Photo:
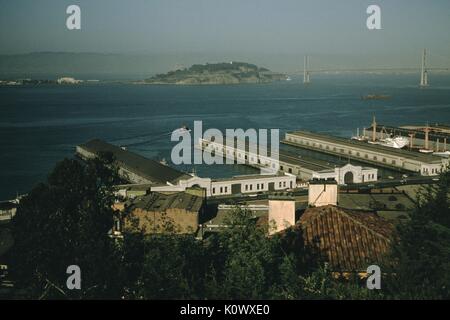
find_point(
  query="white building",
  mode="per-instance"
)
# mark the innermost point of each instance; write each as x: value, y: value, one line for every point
x: 303, y: 168
x: 348, y: 174
x: 248, y: 184
x: 68, y: 80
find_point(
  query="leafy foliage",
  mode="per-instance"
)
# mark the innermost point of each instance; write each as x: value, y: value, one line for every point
x: 422, y: 254
x: 65, y: 222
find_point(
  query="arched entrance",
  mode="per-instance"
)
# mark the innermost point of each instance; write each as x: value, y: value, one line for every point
x: 348, y: 177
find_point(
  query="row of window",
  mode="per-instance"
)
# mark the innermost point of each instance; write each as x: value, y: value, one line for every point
x: 433, y: 171
x: 371, y: 176
x: 248, y: 187
x: 289, y: 169
x: 221, y: 190
x: 259, y: 186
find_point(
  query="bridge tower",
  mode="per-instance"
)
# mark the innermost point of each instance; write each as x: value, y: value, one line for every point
x: 306, y: 79
x: 424, y: 73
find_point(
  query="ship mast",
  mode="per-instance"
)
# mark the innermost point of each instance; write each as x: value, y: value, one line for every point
x: 374, y: 130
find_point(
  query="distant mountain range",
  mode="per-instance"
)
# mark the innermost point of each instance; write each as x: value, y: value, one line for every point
x: 57, y: 64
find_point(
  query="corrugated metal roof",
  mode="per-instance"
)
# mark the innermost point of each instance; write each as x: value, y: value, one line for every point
x: 144, y: 167
x: 156, y: 201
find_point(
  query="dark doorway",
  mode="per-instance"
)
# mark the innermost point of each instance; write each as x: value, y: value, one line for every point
x: 236, y: 188
x: 348, y: 177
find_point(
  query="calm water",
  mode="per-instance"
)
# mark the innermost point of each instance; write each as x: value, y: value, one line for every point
x: 41, y: 125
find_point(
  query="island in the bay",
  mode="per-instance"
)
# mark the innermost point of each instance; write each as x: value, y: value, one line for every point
x: 217, y: 73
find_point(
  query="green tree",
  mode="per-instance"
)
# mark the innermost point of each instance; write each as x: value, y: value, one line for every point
x: 66, y: 222
x: 421, y: 256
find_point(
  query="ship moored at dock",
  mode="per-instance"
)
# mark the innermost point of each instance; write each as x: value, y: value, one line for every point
x: 424, y: 164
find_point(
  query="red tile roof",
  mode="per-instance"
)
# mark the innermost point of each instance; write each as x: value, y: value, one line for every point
x: 349, y: 240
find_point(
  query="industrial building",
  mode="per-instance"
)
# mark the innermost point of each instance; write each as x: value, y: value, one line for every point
x: 304, y: 168
x: 132, y: 167
x: 245, y: 184
x: 156, y: 212
x: 149, y: 175
x: 424, y: 164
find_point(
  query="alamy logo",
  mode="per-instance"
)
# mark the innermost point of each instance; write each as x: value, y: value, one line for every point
x: 74, y: 280
x: 374, y: 280
x: 374, y: 20
x: 238, y: 146
x: 73, y: 21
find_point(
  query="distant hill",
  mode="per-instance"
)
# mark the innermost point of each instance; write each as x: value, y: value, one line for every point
x: 52, y: 65
x: 217, y: 73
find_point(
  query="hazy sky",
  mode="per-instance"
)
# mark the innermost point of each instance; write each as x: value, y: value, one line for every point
x: 238, y: 28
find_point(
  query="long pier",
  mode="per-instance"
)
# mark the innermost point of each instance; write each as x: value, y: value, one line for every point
x: 424, y: 164
x: 303, y: 167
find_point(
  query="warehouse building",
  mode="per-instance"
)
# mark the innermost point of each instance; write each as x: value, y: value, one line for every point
x: 245, y: 184
x: 425, y: 164
x: 132, y: 167
x: 304, y: 168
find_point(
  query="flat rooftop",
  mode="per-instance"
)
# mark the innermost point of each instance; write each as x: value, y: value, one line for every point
x: 422, y: 157
x: 290, y: 157
x: 156, y: 201
x: 144, y: 167
x: 249, y: 176
x: 305, y: 162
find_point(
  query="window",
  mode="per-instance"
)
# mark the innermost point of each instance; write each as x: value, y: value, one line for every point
x: 226, y: 189
x: 246, y: 187
x: 251, y: 187
x: 262, y: 186
x: 221, y: 189
x: 214, y: 190
x: 393, y: 162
